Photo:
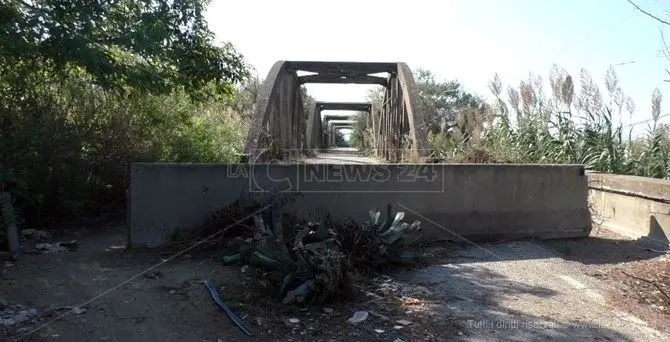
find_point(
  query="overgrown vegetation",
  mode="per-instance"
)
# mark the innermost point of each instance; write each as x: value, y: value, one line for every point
x: 527, y: 125
x: 87, y: 88
x: 361, y: 134
x: 440, y: 103
x: 567, y: 127
x: 304, y: 261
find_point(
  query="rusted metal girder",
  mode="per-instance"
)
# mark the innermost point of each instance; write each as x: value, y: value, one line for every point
x: 342, y: 79
x: 354, y: 106
x: 281, y: 127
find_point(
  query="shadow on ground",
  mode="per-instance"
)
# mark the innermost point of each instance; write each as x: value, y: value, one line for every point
x: 492, y: 291
x: 484, y: 303
x: 603, y: 248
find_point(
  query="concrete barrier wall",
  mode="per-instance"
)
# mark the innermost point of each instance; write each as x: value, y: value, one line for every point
x: 453, y: 201
x: 633, y: 206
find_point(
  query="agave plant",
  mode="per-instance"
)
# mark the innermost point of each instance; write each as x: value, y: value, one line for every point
x: 315, y: 264
x: 381, y: 239
x: 393, y: 229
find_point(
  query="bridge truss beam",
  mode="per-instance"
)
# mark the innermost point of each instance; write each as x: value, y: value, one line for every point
x: 282, y: 127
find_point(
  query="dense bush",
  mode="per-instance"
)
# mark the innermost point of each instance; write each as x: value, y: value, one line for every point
x: 88, y: 87
x: 67, y: 143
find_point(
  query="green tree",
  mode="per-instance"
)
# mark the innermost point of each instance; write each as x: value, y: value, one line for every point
x: 440, y: 101
x: 154, y: 46
x: 89, y: 86
x: 246, y: 97
x: 442, y: 104
x: 340, y: 139
x: 361, y: 135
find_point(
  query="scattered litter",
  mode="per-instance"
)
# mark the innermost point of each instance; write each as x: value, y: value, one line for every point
x: 403, y: 322
x: 231, y: 315
x: 244, y: 268
x: 259, y: 320
x: 328, y: 310
x: 35, y: 234
x: 379, y: 331
x: 61, y: 247
x: 397, y: 327
x: 117, y: 247
x: 359, y: 316
x: 293, y: 320
x: 11, y: 317
x: 460, y: 333
x: 398, y: 340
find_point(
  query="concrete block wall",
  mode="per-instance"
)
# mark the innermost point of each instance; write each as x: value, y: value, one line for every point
x: 636, y: 207
x: 453, y: 201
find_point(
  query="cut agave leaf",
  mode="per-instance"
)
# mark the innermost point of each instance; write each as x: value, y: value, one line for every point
x: 396, y: 233
x: 398, y: 217
x: 374, y: 216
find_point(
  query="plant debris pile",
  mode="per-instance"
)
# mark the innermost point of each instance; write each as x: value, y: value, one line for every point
x: 380, y: 240
x: 313, y: 262
x: 234, y: 220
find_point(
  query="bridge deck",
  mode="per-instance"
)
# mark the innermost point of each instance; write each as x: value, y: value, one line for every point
x: 341, y: 155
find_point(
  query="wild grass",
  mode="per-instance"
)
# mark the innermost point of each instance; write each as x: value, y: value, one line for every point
x: 562, y: 128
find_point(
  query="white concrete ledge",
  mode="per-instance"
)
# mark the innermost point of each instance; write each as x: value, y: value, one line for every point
x: 636, y: 207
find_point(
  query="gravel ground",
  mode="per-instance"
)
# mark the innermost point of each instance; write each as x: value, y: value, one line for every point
x: 526, y: 291
x: 522, y: 290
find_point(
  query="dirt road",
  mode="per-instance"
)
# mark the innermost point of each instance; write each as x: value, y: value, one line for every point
x: 526, y: 290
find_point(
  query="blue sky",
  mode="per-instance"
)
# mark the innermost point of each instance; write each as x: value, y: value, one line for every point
x: 466, y: 40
